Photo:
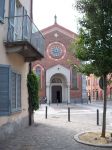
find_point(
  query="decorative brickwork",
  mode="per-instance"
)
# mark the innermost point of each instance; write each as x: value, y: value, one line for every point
x: 58, y: 40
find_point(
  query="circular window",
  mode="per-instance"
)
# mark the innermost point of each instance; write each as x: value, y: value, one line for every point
x: 56, y: 50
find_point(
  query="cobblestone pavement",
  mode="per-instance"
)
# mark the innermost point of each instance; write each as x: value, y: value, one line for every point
x: 55, y: 132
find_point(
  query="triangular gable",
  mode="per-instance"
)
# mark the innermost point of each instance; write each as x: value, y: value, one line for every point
x: 57, y: 27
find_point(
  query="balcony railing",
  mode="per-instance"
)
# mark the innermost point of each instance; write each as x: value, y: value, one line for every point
x: 21, y: 30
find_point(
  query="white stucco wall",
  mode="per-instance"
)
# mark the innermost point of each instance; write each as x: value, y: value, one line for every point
x: 17, y: 64
x: 58, y: 69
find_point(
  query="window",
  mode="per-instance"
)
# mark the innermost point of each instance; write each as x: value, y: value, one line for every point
x: 88, y: 82
x: 56, y: 52
x: 38, y: 73
x: 10, y: 90
x: 16, y: 92
x: 2, y: 10
x: 74, y: 79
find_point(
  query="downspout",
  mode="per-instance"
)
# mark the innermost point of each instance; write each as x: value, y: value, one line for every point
x: 30, y: 100
x: 30, y: 70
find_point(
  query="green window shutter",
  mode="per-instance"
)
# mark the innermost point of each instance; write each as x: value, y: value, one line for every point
x: 4, y: 90
x: 2, y: 9
x: 11, y: 8
x: 11, y: 20
x: 10, y: 90
x: 18, y: 91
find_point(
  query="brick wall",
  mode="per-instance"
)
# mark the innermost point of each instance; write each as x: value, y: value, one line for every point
x: 48, y: 62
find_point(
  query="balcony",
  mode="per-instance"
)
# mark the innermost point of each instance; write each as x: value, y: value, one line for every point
x: 23, y: 37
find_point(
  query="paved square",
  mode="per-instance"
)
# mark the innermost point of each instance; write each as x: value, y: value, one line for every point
x: 55, y: 132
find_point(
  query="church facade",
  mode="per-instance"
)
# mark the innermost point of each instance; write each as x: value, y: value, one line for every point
x: 59, y: 83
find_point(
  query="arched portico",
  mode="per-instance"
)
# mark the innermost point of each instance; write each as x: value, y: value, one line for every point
x: 58, y: 84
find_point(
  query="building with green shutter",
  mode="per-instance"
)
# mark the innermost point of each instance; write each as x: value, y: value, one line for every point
x: 19, y: 45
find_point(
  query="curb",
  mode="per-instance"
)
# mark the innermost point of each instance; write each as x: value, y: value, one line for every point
x: 76, y: 138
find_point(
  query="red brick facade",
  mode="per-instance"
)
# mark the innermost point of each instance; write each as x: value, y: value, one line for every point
x: 57, y: 35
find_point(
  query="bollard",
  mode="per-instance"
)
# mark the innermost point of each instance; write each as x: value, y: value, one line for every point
x: 68, y: 114
x: 46, y: 112
x: 97, y: 116
x: 57, y: 102
x: 49, y: 102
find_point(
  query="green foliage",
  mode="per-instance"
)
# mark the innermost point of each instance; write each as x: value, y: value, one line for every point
x: 94, y: 43
x: 33, y: 89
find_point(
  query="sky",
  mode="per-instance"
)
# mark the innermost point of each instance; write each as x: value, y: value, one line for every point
x: 45, y: 10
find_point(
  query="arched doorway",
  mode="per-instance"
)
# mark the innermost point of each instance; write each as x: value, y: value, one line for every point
x: 58, y: 85
x: 56, y: 94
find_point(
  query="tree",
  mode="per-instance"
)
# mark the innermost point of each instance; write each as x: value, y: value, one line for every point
x: 33, y: 90
x: 94, y: 43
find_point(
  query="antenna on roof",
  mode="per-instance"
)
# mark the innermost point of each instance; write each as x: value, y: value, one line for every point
x: 55, y: 19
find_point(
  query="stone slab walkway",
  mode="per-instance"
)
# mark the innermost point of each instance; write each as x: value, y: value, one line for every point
x: 55, y: 133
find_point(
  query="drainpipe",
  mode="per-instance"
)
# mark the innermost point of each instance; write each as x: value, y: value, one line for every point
x: 30, y: 100
x: 30, y: 69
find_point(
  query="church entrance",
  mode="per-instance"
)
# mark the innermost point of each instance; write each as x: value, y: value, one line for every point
x: 56, y: 94
x: 58, y: 85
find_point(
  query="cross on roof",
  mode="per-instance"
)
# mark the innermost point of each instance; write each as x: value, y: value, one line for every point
x: 55, y: 19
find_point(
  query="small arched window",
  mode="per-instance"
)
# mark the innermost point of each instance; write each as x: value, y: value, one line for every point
x: 74, y: 79
x: 38, y: 73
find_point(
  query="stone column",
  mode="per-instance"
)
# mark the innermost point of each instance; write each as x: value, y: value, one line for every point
x: 68, y: 94
x: 84, y: 92
x: 47, y: 93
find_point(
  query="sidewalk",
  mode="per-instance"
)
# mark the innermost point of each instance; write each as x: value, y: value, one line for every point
x: 55, y: 133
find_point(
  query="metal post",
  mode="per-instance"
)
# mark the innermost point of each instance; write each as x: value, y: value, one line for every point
x: 67, y: 101
x: 46, y: 112
x: 68, y: 114
x: 97, y: 116
x: 57, y: 102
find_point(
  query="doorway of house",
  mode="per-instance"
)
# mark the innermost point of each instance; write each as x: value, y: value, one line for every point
x: 56, y: 94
